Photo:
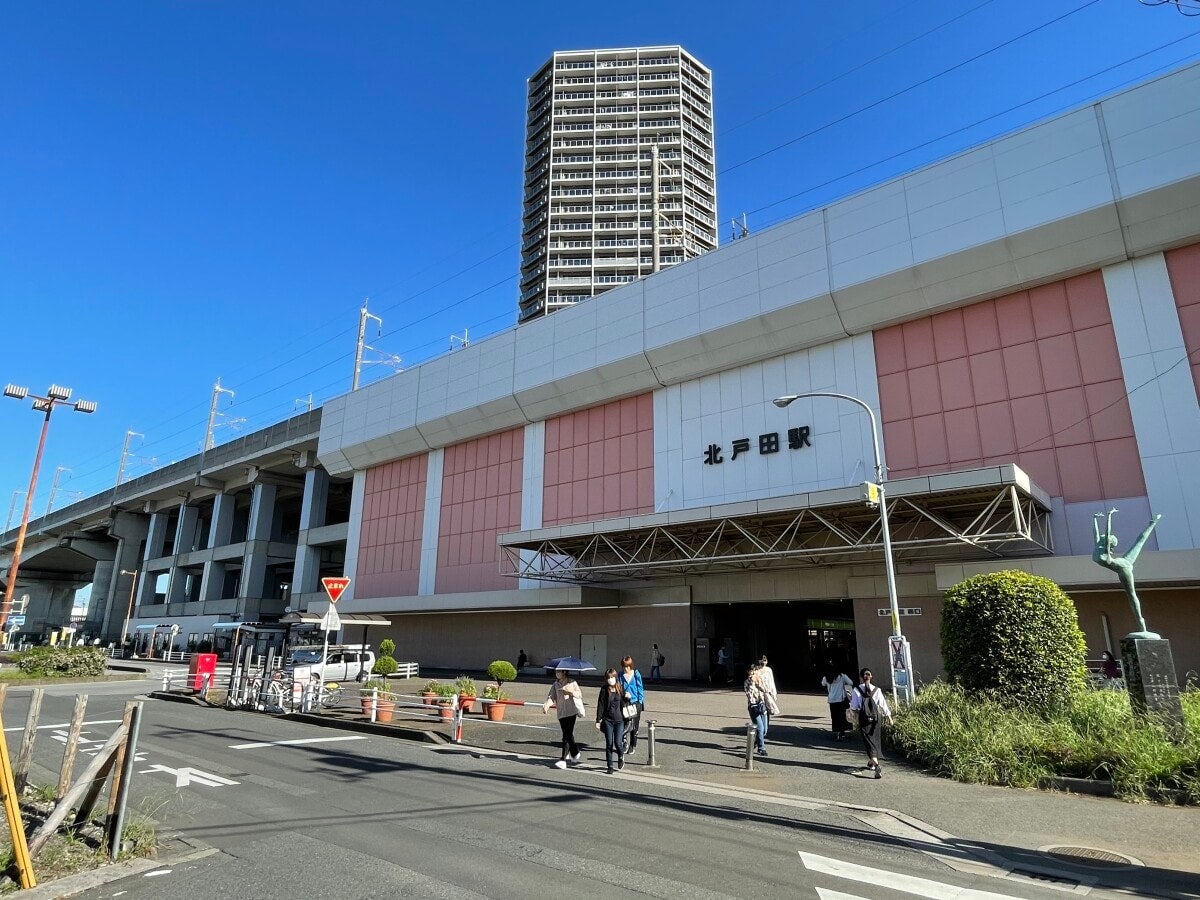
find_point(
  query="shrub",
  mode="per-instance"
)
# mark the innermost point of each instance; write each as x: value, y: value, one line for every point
x: 385, y: 665
x: 431, y: 686
x: 501, y: 670
x: 1013, y: 636
x: 493, y: 692
x: 445, y: 692
x: 465, y: 686
x: 387, y: 647
x: 977, y: 739
x: 62, y: 662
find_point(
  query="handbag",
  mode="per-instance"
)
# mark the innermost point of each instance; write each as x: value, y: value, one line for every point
x: 629, y: 711
x: 757, y: 709
x: 852, y: 717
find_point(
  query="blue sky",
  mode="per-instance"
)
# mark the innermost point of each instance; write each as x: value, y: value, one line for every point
x: 194, y: 190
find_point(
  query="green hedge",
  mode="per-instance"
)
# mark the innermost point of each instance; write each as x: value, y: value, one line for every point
x: 1015, y: 637
x: 977, y: 739
x: 62, y: 662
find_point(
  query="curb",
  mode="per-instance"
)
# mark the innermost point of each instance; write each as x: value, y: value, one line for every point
x: 84, y: 881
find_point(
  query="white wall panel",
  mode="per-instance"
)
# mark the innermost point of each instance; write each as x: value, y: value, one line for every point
x: 1162, y: 394
x: 736, y: 403
x: 431, y: 522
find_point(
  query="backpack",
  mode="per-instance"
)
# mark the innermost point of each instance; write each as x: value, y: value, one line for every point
x: 869, y: 713
x: 661, y: 659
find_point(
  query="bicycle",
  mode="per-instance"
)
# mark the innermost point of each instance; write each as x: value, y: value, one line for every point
x: 330, y: 694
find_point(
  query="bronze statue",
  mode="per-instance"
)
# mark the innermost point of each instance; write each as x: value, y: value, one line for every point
x: 1104, y: 554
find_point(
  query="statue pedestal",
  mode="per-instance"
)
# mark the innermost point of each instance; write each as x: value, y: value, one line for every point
x: 1150, y: 677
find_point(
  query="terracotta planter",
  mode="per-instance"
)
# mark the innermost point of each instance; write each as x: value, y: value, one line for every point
x: 428, y: 697
x: 446, y: 710
x: 495, y: 711
x: 368, y: 704
x: 465, y: 703
x: 385, y: 710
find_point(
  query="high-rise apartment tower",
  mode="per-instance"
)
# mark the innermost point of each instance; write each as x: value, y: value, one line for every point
x: 596, y: 121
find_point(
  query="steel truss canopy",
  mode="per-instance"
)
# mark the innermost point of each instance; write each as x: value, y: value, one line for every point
x: 995, y: 512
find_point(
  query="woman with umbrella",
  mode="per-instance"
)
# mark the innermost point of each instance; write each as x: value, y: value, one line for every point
x: 567, y: 699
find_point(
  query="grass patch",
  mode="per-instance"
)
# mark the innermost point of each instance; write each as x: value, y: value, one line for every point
x: 1095, y: 735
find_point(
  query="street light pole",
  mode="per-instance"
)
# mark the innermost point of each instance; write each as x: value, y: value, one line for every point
x: 885, y: 533
x: 129, y: 608
x: 55, y: 396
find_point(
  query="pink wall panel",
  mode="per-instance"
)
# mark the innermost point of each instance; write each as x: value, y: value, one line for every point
x: 481, y: 498
x: 1032, y: 378
x: 389, y: 550
x: 600, y: 462
x: 1183, y: 267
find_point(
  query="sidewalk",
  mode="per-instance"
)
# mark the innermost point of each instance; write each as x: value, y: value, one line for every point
x: 701, y: 738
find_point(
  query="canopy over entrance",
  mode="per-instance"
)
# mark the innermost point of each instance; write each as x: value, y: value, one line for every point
x: 307, y: 618
x: 989, y: 513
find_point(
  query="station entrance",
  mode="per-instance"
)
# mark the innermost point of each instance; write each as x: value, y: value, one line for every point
x: 800, y: 639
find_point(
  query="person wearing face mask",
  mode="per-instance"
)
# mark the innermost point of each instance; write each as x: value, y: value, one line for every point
x: 567, y: 698
x: 608, y: 717
x: 631, y: 681
x: 872, y: 707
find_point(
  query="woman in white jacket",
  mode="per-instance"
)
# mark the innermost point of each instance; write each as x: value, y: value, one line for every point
x: 838, y: 685
x: 566, y: 698
x: 872, y: 707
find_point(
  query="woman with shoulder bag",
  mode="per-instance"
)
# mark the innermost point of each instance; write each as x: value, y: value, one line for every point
x: 870, y: 707
x: 631, y: 681
x: 610, y: 719
x: 756, y: 706
x: 566, y: 697
x: 838, y: 685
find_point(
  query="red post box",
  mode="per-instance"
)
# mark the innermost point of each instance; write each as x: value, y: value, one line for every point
x: 201, y: 666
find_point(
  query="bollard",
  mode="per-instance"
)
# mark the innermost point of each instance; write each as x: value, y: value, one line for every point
x: 166, y: 680
x: 650, y: 748
x: 458, y: 722
x: 205, y: 679
x: 374, y: 702
x: 751, y: 731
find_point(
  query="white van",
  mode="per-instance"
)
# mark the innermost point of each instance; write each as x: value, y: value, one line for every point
x: 343, y: 662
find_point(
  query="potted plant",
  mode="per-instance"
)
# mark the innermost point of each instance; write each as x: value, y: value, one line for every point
x: 464, y: 686
x: 495, y: 710
x: 430, y: 691
x: 386, y: 664
x: 367, y: 693
x: 501, y: 670
x: 445, y: 700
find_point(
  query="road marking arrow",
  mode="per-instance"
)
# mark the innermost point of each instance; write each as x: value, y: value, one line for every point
x: 909, y: 884
x: 186, y: 775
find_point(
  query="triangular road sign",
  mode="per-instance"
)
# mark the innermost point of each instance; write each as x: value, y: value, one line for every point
x: 335, y: 587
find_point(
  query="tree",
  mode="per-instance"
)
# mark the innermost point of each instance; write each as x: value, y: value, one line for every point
x: 1014, y: 636
x: 501, y: 670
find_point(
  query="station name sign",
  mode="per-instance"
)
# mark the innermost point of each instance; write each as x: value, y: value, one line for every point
x: 797, y: 439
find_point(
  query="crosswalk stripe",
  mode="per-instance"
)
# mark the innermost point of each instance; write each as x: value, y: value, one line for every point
x: 297, y: 741
x: 909, y: 884
x: 827, y: 894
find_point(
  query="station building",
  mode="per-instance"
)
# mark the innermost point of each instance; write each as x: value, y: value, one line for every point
x: 1023, y: 319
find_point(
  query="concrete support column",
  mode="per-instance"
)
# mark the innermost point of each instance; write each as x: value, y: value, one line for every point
x: 185, y: 529
x: 213, y: 580
x: 102, y: 581
x: 156, y: 538
x: 354, y: 530
x: 220, y: 529
x: 130, y: 529
x: 316, y: 499
x: 254, y: 562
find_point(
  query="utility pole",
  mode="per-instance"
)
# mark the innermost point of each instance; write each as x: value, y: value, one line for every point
x: 655, y: 224
x: 363, y: 315
x: 125, y: 454
x: 209, y: 442
x: 54, y: 488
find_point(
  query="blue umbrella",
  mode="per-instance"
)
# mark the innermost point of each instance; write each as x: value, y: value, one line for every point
x: 571, y: 664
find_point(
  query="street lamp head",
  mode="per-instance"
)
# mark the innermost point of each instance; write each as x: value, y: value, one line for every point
x: 785, y: 400
x: 85, y: 406
x: 58, y: 392
x: 127, y: 572
x: 16, y: 392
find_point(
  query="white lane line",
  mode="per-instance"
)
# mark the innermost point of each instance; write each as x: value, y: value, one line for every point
x: 320, y: 740
x: 66, y: 725
x: 909, y: 884
x: 827, y: 894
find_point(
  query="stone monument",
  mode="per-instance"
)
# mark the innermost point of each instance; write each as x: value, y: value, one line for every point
x: 1145, y: 656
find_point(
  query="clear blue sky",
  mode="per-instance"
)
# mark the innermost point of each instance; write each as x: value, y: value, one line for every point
x: 194, y: 190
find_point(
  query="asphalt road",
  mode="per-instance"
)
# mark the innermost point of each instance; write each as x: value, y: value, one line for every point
x: 293, y: 810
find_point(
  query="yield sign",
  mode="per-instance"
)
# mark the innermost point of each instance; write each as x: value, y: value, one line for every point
x: 335, y: 587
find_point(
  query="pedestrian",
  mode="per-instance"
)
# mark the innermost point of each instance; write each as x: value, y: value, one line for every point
x: 1108, y: 666
x: 756, y: 706
x: 567, y: 699
x: 870, y: 704
x: 723, y: 663
x: 656, y: 663
x: 522, y: 659
x: 631, y: 682
x: 766, y: 678
x: 609, y: 719
x: 838, y: 685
